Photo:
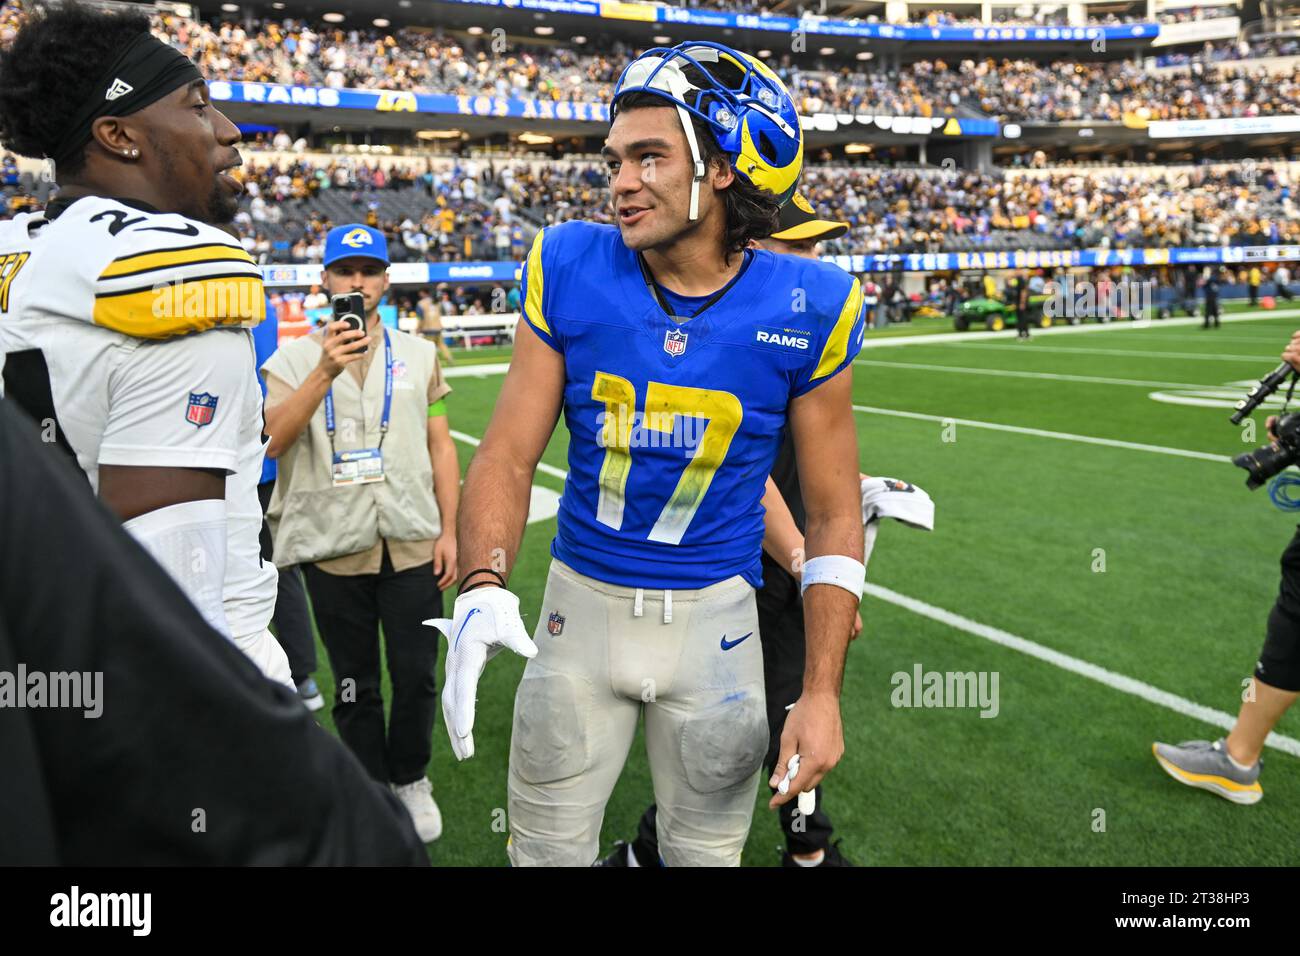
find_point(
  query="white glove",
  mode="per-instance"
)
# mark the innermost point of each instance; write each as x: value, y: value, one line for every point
x: 484, y: 620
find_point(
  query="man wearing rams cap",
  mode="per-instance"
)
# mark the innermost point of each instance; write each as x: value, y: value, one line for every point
x: 366, y: 502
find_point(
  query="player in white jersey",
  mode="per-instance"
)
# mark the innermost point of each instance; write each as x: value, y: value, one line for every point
x: 99, y: 291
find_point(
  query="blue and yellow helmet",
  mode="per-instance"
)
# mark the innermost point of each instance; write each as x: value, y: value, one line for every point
x: 744, y: 105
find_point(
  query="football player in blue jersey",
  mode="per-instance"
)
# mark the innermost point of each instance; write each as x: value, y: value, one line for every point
x: 678, y: 356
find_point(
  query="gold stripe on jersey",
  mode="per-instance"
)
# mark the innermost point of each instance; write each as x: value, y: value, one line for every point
x: 533, y: 305
x: 140, y: 262
x: 837, y: 344
x: 185, y: 306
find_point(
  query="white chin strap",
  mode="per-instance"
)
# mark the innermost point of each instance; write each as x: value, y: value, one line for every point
x: 653, y: 73
x: 698, y: 178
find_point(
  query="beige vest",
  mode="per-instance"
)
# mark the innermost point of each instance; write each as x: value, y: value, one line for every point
x: 310, y: 519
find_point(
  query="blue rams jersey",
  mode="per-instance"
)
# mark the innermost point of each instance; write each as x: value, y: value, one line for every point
x: 674, y: 425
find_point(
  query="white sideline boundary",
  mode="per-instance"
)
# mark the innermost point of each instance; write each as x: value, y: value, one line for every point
x: 1111, y: 679
x: 1014, y: 373
x: 1044, y: 433
x: 938, y: 338
x: 1074, y: 665
x: 968, y: 338
x: 1123, y: 353
x: 476, y: 371
x: 542, y: 466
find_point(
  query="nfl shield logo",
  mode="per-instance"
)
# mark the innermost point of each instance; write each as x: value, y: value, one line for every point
x: 555, y: 623
x: 202, y: 406
x: 675, y: 342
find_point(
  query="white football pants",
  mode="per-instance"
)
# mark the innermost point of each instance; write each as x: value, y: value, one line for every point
x: 692, y: 663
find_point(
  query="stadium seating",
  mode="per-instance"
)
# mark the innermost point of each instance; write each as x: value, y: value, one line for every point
x: 1009, y: 89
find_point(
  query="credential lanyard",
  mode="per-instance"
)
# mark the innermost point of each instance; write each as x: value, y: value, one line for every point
x: 388, y: 399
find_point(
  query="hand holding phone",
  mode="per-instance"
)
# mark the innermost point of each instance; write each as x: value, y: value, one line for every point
x: 351, y: 308
x: 345, y: 336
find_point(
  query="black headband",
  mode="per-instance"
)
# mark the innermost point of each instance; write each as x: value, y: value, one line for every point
x: 143, y: 73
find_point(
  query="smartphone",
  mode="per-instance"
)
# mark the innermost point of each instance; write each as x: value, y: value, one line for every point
x: 351, y: 308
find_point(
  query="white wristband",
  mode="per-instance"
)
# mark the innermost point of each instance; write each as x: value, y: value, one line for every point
x: 836, y: 569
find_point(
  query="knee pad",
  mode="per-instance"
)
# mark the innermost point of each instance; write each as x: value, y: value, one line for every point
x: 550, y: 739
x: 723, y: 746
x: 1279, y: 660
x: 549, y: 752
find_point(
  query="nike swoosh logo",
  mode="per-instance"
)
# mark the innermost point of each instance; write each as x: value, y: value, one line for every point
x: 468, y: 616
x: 728, y: 645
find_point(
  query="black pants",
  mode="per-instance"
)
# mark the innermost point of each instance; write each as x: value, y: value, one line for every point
x: 1022, y: 323
x: 1284, y: 292
x: 780, y: 623
x: 292, y: 620
x: 1254, y: 296
x: 349, y: 610
x: 1211, y: 312
x: 1278, y: 664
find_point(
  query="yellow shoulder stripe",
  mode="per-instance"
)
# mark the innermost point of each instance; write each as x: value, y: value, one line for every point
x: 162, y: 258
x: 182, y: 307
x: 837, y: 344
x: 533, y: 304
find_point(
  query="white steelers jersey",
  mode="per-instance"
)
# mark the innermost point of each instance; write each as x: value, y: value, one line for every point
x: 87, y: 304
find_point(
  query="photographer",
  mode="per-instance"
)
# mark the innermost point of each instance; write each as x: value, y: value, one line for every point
x: 368, y: 481
x: 1230, y: 765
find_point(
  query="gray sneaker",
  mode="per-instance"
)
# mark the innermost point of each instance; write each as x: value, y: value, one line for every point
x: 1199, y: 763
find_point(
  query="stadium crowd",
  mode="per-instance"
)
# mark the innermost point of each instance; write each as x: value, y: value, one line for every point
x: 929, y: 210
x: 919, y: 17
x: 454, y: 211
x: 485, y: 210
x: 1073, y: 91
x: 417, y: 59
x: 471, y: 209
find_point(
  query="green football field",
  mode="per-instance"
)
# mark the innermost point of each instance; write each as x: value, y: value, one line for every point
x: 1093, y: 548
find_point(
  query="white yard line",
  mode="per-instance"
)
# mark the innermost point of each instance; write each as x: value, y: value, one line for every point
x: 1050, y: 376
x: 542, y: 466
x: 1276, y: 337
x: 1074, y: 665
x: 969, y: 338
x: 476, y: 371
x: 1043, y: 433
x: 1125, y: 685
x: 887, y: 341
x: 1133, y: 353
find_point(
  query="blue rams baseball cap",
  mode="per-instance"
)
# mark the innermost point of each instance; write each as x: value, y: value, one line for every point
x: 353, y: 241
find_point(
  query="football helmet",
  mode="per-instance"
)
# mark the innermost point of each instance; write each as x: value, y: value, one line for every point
x: 743, y: 104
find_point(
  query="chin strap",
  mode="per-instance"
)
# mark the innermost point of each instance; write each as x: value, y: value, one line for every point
x: 698, y: 178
